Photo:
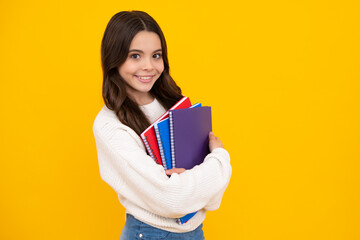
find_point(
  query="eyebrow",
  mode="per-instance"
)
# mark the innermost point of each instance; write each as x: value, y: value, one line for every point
x: 137, y: 50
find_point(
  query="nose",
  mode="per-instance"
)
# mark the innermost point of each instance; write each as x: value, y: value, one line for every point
x: 148, y: 64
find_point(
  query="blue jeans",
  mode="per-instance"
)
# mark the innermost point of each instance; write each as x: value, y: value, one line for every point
x: 137, y: 230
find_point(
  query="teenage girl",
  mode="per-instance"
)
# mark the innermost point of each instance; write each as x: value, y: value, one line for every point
x: 138, y: 89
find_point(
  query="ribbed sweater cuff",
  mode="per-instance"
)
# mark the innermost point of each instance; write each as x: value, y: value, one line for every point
x: 222, y: 152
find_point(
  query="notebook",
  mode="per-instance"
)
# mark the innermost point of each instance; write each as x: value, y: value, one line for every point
x: 162, y: 130
x: 163, y: 138
x: 189, y: 136
x: 186, y: 218
x: 196, y: 105
x: 149, y: 136
x: 189, y: 130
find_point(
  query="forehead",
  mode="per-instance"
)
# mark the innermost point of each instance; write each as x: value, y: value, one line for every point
x: 145, y: 40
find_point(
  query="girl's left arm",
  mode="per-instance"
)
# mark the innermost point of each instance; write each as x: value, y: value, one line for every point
x: 126, y: 167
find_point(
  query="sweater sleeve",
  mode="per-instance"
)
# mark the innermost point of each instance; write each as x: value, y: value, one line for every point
x: 126, y: 167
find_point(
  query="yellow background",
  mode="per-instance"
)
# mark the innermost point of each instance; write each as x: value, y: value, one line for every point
x: 282, y: 78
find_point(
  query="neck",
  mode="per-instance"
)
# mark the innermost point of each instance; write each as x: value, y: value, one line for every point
x: 142, y: 99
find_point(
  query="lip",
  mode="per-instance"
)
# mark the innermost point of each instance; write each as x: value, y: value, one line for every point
x: 144, y: 78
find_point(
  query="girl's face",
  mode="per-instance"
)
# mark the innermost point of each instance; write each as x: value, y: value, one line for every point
x: 143, y: 66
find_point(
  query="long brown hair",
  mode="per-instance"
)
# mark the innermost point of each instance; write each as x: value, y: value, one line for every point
x: 115, y: 45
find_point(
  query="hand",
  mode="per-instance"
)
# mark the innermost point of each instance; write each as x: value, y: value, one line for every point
x: 175, y: 170
x: 214, y: 142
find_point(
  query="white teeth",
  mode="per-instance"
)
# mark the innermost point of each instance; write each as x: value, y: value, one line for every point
x: 144, y: 78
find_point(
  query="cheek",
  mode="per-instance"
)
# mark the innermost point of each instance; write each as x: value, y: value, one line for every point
x: 126, y: 69
x: 160, y: 67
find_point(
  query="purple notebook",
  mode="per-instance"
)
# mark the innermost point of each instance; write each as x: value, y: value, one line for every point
x: 189, y: 135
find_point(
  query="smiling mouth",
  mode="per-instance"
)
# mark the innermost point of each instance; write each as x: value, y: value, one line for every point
x: 145, y: 79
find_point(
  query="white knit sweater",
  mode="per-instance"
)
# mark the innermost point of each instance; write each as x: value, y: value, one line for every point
x: 143, y: 187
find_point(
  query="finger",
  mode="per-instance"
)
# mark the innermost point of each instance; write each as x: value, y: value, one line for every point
x: 169, y: 172
x: 174, y: 170
x: 178, y: 170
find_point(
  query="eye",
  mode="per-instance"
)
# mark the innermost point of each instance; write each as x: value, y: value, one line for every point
x: 136, y: 56
x: 157, y: 55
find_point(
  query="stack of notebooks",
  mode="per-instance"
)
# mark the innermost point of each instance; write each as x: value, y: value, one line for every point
x: 180, y: 137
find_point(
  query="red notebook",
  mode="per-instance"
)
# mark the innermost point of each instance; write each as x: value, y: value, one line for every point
x: 149, y: 136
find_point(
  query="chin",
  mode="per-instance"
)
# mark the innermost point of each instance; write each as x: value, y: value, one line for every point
x: 146, y: 87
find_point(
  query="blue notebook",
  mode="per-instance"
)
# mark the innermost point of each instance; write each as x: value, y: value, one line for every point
x: 186, y: 218
x: 195, y: 105
x: 162, y: 130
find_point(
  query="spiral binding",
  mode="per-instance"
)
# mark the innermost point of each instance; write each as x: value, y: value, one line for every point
x: 150, y: 150
x: 161, y: 149
x: 172, y: 139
